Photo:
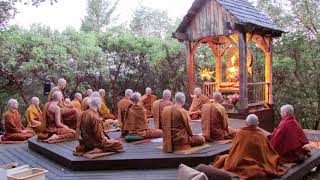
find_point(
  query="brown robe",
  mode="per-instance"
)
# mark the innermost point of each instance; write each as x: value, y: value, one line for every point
x: 157, y: 109
x: 214, y: 122
x: 13, y: 127
x: 92, y: 135
x: 76, y: 104
x: 54, y: 89
x: 51, y: 128
x: 34, y: 113
x: 251, y: 155
x: 197, y: 104
x: 122, y: 105
x: 177, y: 133
x: 136, y: 122
x: 147, y: 101
x: 85, y: 104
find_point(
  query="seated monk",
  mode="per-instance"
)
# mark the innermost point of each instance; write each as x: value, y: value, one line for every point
x: 198, y: 101
x: 91, y: 132
x: 85, y: 101
x: 158, y: 106
x: 251, y: 154
x: 136, y: 122
x: 147, y: 100
x: 34, y: 115
x: 67, y: 103
x: 104, y: 110
x: 288, y: 139
x: 14, y: 130
x: 61, y: 85
x: 215, y: 120
x: 177, y: 133
x: 76, y: 102
x: 54, y: 130
x: 123, y: 104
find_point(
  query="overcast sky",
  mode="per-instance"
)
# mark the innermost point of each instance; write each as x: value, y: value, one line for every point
x: 70, y: 12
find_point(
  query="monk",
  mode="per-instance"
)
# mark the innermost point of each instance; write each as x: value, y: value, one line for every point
x: 214, y: 122
x: 54, y: 129
x: 14, y: 130
x: 85, y: 101
x: 136, y: 122
x: 177, y: 133
x: 288, y: 138
x: 198, y: 101
x: 67, y: 103
x: 76, y: 102
x: 104, y: 110
x: 61, y: 85
x: 123, y: 104
x: 34, y: 115
x: 251, y: 154
x: 91, y: 132
x: 158, y: 106
x: 147, y: 101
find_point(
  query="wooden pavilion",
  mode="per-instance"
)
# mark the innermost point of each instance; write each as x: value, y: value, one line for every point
x: 229, y: 25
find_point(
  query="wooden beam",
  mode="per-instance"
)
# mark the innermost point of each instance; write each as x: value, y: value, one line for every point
x: 268, y: 73
x: 243, y: 101
x: 179, y: 36
x: 190, y: 66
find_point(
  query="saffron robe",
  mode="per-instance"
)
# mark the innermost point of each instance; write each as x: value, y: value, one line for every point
x: 13, y: 127
x: 92, y: 135
x: 34, y: 113
x: 122, y: 105
x: 85, y: 104
x: 136, y: 123
x: 104, y: 110
x: 197, y: 103
x: 50, y: 127
x: 76, y: 104
x: 177, y: 133
x: 147, y: 101
x: 251, y: 155
x: 215, y: 122
x: 288, y: 140
x: 157, y: 109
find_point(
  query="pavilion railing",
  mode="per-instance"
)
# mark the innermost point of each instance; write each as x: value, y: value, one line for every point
x: 257, y: 93
x: 208, y: 88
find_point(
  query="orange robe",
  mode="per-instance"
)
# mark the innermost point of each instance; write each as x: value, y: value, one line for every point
x: 215, y: 122
x: 85, y: 104
x: 56, y: 88
x: 75, y: 103
x: 51, y: 128
x: 104, y: 111
x: 13, y: 127
x: 34, y: 114
x: 197, y: 104
x: 136, y: 122
x: 92, y: 135
x: 157, y: 109
x: 147, y: 101
x: 251, y: 155
x: 122, y: 105
x: 177, y: 133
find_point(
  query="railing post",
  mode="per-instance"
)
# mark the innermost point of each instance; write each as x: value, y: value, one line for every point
x: 243, y: 101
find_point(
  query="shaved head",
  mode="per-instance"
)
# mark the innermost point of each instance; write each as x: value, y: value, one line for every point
x: 13, y: 103
x: 78, y: 96
x: 252, y: 120
x: 89, y: 92
x: 102, y: 92
x: 180, y: 98
x: 136, y: 97
x: 217, y: 97
x: 197, y: 91
x: 57, y: 96
x: 128, y: 93
x: 35, y: 101
x: 62, y: 83
x: 166, y: 94
x: 148, y: 91
x: 95, y: 94
x: 94, y: 103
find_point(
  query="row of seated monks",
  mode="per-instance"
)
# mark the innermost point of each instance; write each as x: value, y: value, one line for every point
x: 252, y: 154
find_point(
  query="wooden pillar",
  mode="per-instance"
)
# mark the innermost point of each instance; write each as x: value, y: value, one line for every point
x: 218, y: 67
x: 243, y: 101
x: 268, y: 72
x: 190, y: 66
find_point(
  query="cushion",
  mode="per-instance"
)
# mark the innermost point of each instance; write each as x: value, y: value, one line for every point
x: 187, y: 173
x: 213, y: 173
x: 131, y: 138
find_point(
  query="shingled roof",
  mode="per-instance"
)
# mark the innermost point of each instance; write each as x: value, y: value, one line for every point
x: 243, y: 11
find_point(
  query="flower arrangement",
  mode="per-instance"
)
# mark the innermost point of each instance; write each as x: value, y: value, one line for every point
x: 234, y: 99
x: 206, y: 74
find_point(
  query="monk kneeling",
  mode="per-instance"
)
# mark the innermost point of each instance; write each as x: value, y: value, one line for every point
x: 158, y: 106
x: 14, y: 130
x: 177, y: 133
x: 198, y: 101
x: 288, y: 139
x: 147, y: 101
x: 214, y: 122
x: 91, y: 132
x: 136, y: 122
x: 34, y: 115
x: 54, y: 130
x: 251, y: 154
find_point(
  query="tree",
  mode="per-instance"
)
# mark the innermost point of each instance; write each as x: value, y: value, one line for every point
x: 99, y: 15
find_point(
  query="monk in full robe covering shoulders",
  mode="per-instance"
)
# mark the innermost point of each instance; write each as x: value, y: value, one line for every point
x: 91, y: 132
x: 198, y: 101
x: 251, y: 154
x: 34, y: 115
x: 157, y: 108
x: 14, y: 130
x: 123, y: 104
x: 136, y: 122
x: 54, y: 129
x: 177, y: 133
x: 289, y: 139
x: 85, y: 101
x: 147, y: 100
x: 214, y: 122
x: 76, y: 102
x: 104, y: 110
